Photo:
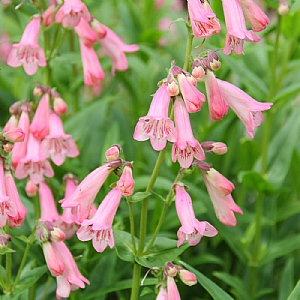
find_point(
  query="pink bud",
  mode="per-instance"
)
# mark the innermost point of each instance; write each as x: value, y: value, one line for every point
x: 112, y: 153
x: 30, y: 188
x: 218, y: 148
x: 4, y: 239
x: 14, y: 135
x: 57, y: 234
x: 126, y: 182
x: 283, y: 7
x: 38, y: 91
x: 198, y: 73
x: 7, y: 147
x: 11, y: 124
x: 187, y: 277
x: 59, y: 105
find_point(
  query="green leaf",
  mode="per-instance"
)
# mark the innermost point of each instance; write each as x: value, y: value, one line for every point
x: 162, y: 251
x: 287, y: 279
x: 139, y: 196
x: 5, y: 250
x: 213, y: 289
x: 295, y: 294
x: 123, y: 245
x: 254, y: 181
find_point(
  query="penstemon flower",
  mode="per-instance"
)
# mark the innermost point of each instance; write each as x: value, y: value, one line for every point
x: 28, y: 53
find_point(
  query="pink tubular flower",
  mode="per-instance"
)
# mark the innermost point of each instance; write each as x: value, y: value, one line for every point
x: 173, y: 293
x: 47, y: 204
x: 14, y: 135
x: 163, y: 294
x: 192, y: 97
x: 86, y: 192
x: 71, y: 278
x: 204, y: 21
x: 48, y: 15
x: 12, y: 193
x: 216, y: 103
x: 93, y: 73
x: 236, y: 28
x: 114, y: 48
x: 57, y: 144
x: 32, y: 165
x: 55, y: 265
x: 126, y: 183
x: 28, y: 53
x: 99, y: 227
x: 86, y: 33
x: 219, y: 189
x: 39, y: 126
x: 246, y: 108
x: 7, y: 206
x: 187, y: 277
x: 254, y: 15
x: 20, y: 149
x: 71, y: 12
x: 186, y: 146
x: 191, y: 229
x: 156, y: 125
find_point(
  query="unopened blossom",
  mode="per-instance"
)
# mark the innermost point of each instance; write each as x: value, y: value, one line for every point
x: 219, y: 189
x: 203, y: 19
x: 4, y: 239
x: 186, y: 147
x: 254, y: 15
x: 7, y: 206
x: 218, y: 148
x: 173, y: 293
x: 28, y: 53
x: 92, y: 70
x: 39, y: 126
x: 283, y: 7
x: 12, y: 123
x: 156, y: 125
x: 12, y: 193
x: 48, y: 15
x: 198, y: 71
x: 237, y: 32
x: 191, y: 229
x: 114, y: 48
x: 20, y: 149
x: 113, y: 152
x: 86, y: 33
x: 14, y: 135
x: 47, y: 204
x: 71, y: 13
x: 55, y: 264
x: 59, y: 105
x: 33, y: 165
x: 57, y: 144
x: 86, y: 192
x: 246, y: 108
x: 99, y: 227
x: 126, y: 182
x: 187, y: 277
x: 30, y: 188
x: 98, y: 28
x: 217, y: 105
x: 71, y: 279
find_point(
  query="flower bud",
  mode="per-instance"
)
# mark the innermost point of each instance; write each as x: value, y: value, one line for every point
x: 30, y: 188
x: 198, y: 71
x: 170, y: 269
x: 59, y: 105
x: 12, y: 123
x: 7, y: 147
x: 172, y: 88
x: 126, y: 182
x: 113, y: 152
x: 191, y: 79
x: 218, y: 148
x: 42, y: 232
x: 14, y: 108
x: 14, y: 135
x: 57, y: 234
x: 283, y: 7
x: 38, y: 91
x: 4, y: 239
x: 187, y: 277
x: 214, y: 61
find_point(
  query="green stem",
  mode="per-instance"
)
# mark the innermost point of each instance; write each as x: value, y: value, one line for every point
x: 8, y: 265
x: 189, y: 45
x: 136, y: 282
x: 1, y: 278
x: 131, y: 219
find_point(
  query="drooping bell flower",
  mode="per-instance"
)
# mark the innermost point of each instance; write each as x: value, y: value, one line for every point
x: 48, y: 15
x: 99, y: 227
x: 246, y: 108
x: 57, y: 144
x: 86, y: 33
x: 28, y: 53
x: 71, y: 13
x: 162, y: 294
x: 114, y: 48
x: 186, y: 146
x: 191, y: 229
x: 33, y: 165
x: 12, y: 193
x: 92, y: 70
x: 156, y: 125
x: 172, y: 289
x: 126, y: 183
x: 217, y: 105
x: 55, y: 264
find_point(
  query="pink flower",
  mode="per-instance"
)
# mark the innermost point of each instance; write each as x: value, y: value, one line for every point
x: 59, y: 105
x: 7, y: 206
x: 57, y: 144
x: 204, y: 21
x: 126, y: 183
x: 216, y: 103
x: 71, y: 278
x: 192, y: 97
x: 32, y: 165
x: 114, y: 48
x: 86, y: 192
x: 28, y: 53
x: 12, y: 193
x: 156, y: 125
x: 173, y: 293
x: 186, y: 146
x: 71, y: 12
x: 47, y: 204
x: 187, y: 277
x: 30, y: 188
x: 48, y: 15
x: 20, y: 149
x: 246, y: 108
x: 14, y: 135
x: 113, y: 152
x: 236, y: 28
x: 86, y: 33
x: 11, y: 124
x: 93, y: 73
x: 55, y: 264
x: 163, y: 294
x: 191, y: 229
x: 39, y: 126
x: 99, y: 227
x: 219, y: 189
x: 254, y: 15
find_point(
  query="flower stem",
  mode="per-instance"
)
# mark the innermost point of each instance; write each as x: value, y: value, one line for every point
x: 189, y: 45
